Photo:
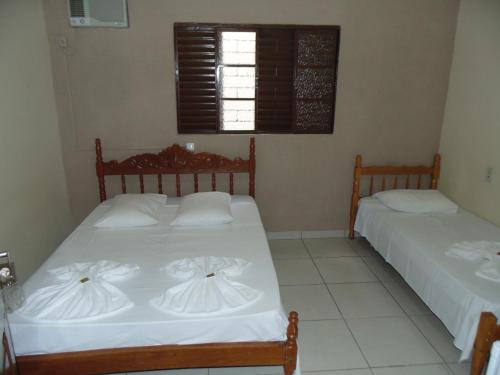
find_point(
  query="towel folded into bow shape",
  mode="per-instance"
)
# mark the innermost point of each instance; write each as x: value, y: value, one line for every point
x: 207, y: 286
x: 82, y: 291
x: 486, y: 252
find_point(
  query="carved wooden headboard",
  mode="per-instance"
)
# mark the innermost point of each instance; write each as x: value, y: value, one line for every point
x: 394, y: 171
x: 174, y: 160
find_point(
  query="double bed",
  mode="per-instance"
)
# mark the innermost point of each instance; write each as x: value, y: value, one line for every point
x: 143, y: 337
x: 415, y: 244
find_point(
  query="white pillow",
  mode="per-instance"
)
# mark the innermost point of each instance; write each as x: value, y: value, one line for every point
x: 211, y: 208
x: 132, y: 210
x: 417, y: 201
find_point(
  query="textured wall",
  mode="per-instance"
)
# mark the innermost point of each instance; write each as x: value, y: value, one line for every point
x: 393, y: 76
x: 35, y: 214
x: 471, y: 130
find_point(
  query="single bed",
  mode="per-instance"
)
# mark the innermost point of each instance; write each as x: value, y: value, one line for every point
x: 143, y: 337
x: 415, y: 244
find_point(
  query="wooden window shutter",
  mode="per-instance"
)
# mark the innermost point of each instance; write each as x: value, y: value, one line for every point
x: 315, y: 79
x: 195, y: 53
x: 275, y: 59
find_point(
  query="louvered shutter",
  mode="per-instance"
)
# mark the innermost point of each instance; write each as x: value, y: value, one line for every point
x: 196, y: 51
x: 275, y: 57
x: 315, y: 79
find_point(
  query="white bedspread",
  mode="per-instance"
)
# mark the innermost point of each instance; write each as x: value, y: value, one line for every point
x: 151, y: 249
x: 415, y: 245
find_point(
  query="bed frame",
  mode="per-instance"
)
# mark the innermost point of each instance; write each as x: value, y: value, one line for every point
x: 488, y: 331
x: 383, y: 172
x: 174, y: 160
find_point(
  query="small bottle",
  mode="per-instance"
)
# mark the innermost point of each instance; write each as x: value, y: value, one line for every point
x: 12, y: 292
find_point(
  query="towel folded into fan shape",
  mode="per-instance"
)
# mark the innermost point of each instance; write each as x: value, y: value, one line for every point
x: 207, y: 286
x: 83, y: 291
x: 485, y: 251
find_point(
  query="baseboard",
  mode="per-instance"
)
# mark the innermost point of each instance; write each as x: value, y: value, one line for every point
x: 296, y: 235
x: 293, y: 235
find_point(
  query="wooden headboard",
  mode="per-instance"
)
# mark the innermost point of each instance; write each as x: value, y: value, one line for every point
x: 174, y: 160
x: 394, y: 171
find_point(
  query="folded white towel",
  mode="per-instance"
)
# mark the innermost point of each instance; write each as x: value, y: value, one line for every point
x: 207, y: 287
x: 474, y: 251
x: 490, y: 270
x: 83, y: 292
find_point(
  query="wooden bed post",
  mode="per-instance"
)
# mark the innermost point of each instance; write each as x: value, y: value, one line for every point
x: 487, y: 333
x: 291, y: 343
x: 355, y: 196
x: 99, y: 166
x: 252, y: 166
x: 436, y: 169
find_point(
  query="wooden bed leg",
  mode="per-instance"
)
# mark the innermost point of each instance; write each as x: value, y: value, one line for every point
x: 291, y: 343
x: 252, y: 166
x: 482, y: 344
x: 436, y: 169
x: 355, y: 196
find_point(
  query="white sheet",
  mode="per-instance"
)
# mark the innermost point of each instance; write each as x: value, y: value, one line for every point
x: 415, y: 245
x: 152, y: 248
x: 494, y: 361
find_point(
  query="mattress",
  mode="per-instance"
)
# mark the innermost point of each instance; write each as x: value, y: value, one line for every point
x: 415, y: 245
x: 152, y: 248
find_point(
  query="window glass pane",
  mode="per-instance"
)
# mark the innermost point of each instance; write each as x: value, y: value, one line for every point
x: 238, y: 114
x: 238, y: 82
x: 238, y: 47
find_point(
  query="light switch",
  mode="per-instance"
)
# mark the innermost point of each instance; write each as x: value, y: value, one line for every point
x: 190, y: 146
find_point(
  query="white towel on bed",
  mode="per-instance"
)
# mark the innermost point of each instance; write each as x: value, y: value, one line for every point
x: 83, y: 291
x: 485, y: 252
x: 207, y: 286
x: 490, y: 270
x: 474, y: 251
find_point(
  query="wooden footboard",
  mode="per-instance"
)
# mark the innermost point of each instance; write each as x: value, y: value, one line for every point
x: 163, y: 357
x: 401, y: 179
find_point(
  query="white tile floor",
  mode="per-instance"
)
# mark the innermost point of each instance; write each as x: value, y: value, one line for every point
x: 357, y: 316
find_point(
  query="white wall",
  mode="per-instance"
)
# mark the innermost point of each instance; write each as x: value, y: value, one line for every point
x: 34, y: 214
x: 470, y: 140
x: 119, y: 84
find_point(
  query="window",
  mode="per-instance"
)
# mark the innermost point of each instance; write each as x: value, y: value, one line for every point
x: 255, y: 78
x: 237, y: 80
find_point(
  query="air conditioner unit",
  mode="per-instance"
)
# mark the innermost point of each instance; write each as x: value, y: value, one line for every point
x: 98, y: 13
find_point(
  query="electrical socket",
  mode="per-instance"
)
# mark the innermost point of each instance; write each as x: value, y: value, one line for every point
x: 489, y: 174
x: 62, y: 42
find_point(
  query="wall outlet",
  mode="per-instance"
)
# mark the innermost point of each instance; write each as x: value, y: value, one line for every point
x: 62, y: 42
x: 489, y: 174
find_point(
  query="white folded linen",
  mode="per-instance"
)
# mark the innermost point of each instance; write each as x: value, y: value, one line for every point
x: 207, y: 286
x: 83, y: 291
x: 490, y: 270
x: 474, y: 251
x: 479, y: 251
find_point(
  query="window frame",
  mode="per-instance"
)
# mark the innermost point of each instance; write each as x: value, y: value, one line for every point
x: 219, y: 27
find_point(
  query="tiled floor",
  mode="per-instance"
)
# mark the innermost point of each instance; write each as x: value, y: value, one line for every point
x: 357, y: 316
